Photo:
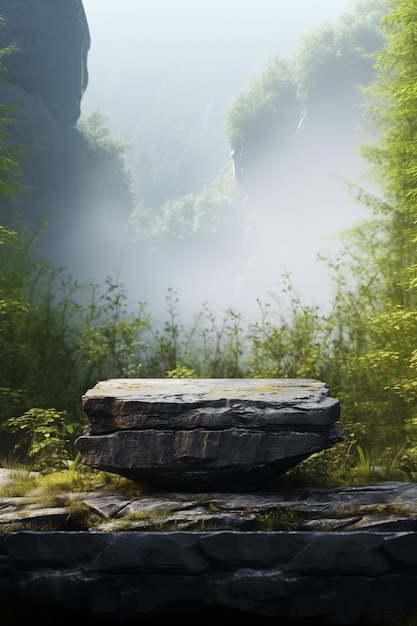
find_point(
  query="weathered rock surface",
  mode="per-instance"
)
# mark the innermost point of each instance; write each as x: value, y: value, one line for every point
x: 201, y: 433
x: 387, y: 506
x: 210, y: 552
x: 213, y: 558
x: 343, y: 578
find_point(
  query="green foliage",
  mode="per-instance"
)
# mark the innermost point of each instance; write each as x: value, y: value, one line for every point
x: 180, y: 372
x: 12, y: 153
x: 30, y: 328
x: 334, y: 58
x: 58, y: 338
x: 262, y: 107
x: 331, y: 60
x: 193, y: 215
x: 111, y: 181
x: 98, y: 135
x: 47, y: 485
x: 291, y: 343
x: 207, y: 347
x: 382, y: 253
x: 43, y: 438
x: 283, y: 517
x: 111, y: 333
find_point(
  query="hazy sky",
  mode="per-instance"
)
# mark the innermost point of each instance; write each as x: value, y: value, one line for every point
x: 153, y: 35
x: 114, y: 22
x: 143, y: 49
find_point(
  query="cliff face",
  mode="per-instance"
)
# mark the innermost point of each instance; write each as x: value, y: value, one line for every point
x: 53, y: 41
x: 45, y: 79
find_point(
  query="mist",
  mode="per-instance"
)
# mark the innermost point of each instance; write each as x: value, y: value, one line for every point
x: 164, y: 73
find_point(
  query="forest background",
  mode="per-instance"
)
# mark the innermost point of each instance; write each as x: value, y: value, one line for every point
x: 59, y: 337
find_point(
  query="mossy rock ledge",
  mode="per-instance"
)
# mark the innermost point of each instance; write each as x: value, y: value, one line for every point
x: 206, y: 433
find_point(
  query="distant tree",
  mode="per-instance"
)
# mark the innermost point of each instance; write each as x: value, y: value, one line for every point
x: 193, y: 214
x: 328, y: 62
x: 263, y: 105
x: 111, y: 183
x: 335, y: 58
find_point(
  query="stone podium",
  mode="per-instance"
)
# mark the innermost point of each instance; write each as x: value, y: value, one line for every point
x: 204, y: 434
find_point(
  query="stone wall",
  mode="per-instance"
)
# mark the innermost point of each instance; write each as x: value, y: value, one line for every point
x: 339, y: 578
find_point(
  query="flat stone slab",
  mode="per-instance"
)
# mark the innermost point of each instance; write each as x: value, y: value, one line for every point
x: 200, y: 433
x: 385, y: 506
x: 124, y: 404
x: 214, y: 562
x: 335, y: 578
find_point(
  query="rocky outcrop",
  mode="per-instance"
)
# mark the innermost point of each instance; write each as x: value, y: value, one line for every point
x: 69, y: 188
x: 247, y: 554
x: 45, y: 79
x: 201, y: 433
x: 52, y: 40
x: 388, y: 506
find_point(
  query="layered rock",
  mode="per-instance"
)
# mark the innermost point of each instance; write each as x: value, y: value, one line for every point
x: 201, y: 433
x: 385, y: 507
x: 334, y: 577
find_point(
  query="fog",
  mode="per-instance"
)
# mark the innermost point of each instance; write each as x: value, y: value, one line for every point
x: 167, y: 71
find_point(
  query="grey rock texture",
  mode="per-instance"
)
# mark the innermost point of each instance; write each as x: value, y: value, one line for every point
x: 343, y: 578
x: 45, y: 80
x: 388, y: 506
x: 52, y: 38
x: 201, y: 433
x: 213, y: 558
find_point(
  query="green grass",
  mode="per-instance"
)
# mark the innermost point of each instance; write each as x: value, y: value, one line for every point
x: 83, y: 479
